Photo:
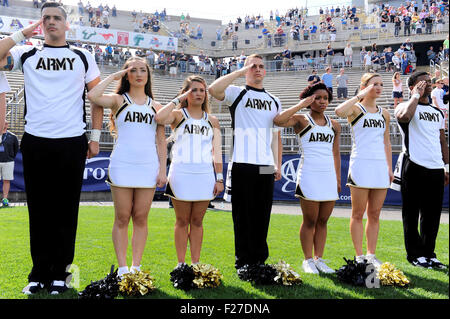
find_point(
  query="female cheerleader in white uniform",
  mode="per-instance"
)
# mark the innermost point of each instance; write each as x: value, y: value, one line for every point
x: 370, y: 169
x: 138, y: 161
x: 319, y: 172
x: 196, y: 155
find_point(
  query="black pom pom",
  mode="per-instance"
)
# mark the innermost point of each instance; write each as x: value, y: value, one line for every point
x: 258, y: 274
x: 354, y: 273
x: 182, y: 277
x: 106, y: 288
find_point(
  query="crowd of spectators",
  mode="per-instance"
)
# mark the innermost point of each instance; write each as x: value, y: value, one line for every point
x: 414, y: 18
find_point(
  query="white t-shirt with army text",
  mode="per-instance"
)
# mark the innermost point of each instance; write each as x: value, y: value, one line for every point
x: 55, y: 80
x: 421, y: 136
x: 252, y: 113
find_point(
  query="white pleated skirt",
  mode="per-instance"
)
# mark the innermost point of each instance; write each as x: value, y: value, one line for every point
x: 318, y: 186
x: 132, y: 175
x: 190, y: 186
x: 368, y: 173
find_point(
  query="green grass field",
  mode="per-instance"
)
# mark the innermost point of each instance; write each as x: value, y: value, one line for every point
x: 94, y: 256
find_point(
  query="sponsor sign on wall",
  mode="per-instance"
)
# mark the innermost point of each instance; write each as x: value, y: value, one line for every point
x: 99, y: 35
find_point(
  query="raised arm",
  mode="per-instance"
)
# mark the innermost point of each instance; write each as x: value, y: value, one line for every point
x: 96, y: 94
x: 6, y: 44
x: 347, y: 109
x: 405, y: 111
x: 218, y: 87
x: 286, y: 119
x: 165, y: 115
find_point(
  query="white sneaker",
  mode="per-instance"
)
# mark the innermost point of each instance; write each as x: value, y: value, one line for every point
x: 122, y: 271
x: 371, y: 259
x: 309, y: 266
x: 360, y: 259
x: 322, y: 267
x: 135, y: 269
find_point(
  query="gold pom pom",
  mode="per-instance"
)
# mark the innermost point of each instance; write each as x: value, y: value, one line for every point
x: 390, y: 276
x: 286, y: 275
x: 206, y: 276
x: 137, y: 283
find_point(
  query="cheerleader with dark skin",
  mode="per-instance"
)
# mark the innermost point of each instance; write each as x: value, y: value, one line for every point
x: 313, y: 231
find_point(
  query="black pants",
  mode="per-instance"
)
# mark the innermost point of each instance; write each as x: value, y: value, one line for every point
x: 252, y: 194
x: 53, y: 174
x: 422, y: 194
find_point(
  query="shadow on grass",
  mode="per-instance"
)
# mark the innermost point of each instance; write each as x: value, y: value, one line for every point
x: 223, y: 291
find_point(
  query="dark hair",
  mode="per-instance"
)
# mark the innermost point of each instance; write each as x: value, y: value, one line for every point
x: 412, y: 80
x: 124, y: 87
x: 187, y: 85
x: 309, y: 90
x: 54, y: 5
x: 124, y: 84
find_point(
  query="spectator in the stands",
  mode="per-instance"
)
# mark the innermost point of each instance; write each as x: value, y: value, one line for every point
x: 342, y: 84
x: 375, y: 61
x: 330, y: 55
x: 407, y: 24
x: 397, y: 89
x: 397, y: 26
x: 388, y: 55
x: 327, y: 79
x: 287, y: 56
x: 368, y: 62
x: 348, y: 55
x: 431, y: 55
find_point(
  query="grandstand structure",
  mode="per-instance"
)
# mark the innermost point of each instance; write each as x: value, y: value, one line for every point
x: 284, y: 84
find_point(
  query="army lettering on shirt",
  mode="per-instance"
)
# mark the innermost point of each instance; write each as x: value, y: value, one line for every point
x: 259, y: 104
x: 138, y: 117
x: 196, y: 129
x: 321, y: 137
x: 55, y: 64
x: 374, y: 123
x: 426, y: 116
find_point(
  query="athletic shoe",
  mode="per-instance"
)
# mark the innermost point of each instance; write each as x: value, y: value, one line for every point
x: 421, y: 262
x: 135, y: 269
x: 309, y: 266
x: 371, y: 259
x: 57, y: 287
x: 435, y: 263
x: 210, y: 206
x: 360, y: 259
x: 32, y: 288
x: 5, y: 202
x: 322, y: 267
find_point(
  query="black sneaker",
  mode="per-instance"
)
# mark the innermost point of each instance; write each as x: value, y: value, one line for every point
x: 435, y: 263
x: 421, y: 262
x: 32, y: 288
x: 57, y: 287
x: 211, y: 206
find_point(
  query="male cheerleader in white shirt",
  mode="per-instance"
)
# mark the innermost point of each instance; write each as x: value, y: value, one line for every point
x: 54, y: 145
x: 424, y: 171
x: 255, y: 159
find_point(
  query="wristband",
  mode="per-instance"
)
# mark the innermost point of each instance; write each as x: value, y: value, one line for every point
x: 17, y: 37
x: 219, y: 177
x: 446, y: 168
x: 176, y: 101
x: 95, y: 135
x: 416, y: 96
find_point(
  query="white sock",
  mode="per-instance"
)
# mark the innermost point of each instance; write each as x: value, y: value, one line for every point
x: 123, y: 270
x: 370, y: 256
x: 136, y: 268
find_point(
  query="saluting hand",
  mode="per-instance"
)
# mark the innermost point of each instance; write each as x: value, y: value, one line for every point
x: 419, y: 88
x: 366, y: 91
x: 244, y: 70
x: 307, y: 101
x: 118, y: 75
x: 30, y: 31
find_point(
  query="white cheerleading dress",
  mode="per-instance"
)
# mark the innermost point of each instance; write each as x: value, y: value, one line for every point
x: 316, y: 177
x: 134, y: 160
x: 368, y: 163
x: 191, y: 173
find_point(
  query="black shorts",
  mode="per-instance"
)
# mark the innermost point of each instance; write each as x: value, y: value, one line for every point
x: 397, y: 95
